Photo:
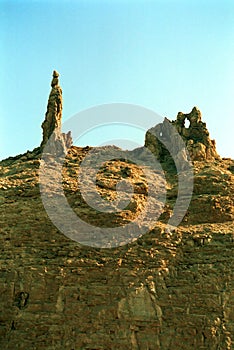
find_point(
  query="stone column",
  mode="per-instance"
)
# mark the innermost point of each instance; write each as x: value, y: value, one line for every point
x: 59, y: 142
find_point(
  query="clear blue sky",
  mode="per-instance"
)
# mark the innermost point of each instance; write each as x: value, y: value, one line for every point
x: 165, y: 55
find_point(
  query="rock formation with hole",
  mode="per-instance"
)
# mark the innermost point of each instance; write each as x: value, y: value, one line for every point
x: 195, y: 139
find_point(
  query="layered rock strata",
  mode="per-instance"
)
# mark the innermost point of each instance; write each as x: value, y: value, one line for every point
x: 172, y: 288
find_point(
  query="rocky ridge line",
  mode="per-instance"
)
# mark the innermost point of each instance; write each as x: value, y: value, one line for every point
x: 170, y: 289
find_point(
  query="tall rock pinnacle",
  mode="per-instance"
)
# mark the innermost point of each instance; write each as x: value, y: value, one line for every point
x: 53, y: 118
x: 53, y: 115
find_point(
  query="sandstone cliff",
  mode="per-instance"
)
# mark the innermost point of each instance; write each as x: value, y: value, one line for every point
x: 169, y: 289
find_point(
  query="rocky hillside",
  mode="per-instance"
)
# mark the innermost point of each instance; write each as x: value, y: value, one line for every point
x: 172, y: 288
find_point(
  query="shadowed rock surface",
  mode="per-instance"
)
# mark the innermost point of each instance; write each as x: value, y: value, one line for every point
x: 172, y: 288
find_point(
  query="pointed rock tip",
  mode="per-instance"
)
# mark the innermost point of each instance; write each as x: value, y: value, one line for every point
x: 195, y: 109
x: 55, y: 74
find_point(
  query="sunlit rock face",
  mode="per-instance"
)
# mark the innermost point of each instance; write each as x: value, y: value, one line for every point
x: 172, y: 288
x: 195, y: 137
x: 58, y: 142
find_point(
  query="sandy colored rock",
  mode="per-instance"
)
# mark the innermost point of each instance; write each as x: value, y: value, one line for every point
x: 172, y: 288
x: 164, y: 138
x: 55, y: 141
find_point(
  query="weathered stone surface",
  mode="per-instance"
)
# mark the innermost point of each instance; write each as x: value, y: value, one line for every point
x: 164, y: 138
x: 167, y: 290
x: 172, y: 288
x: 53, y: 117
x: 58, y: 142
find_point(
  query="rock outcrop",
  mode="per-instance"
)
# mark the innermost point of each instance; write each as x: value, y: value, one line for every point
x: 55, y: 141
x: 167, y: 290
x: 163, y: 139
x: 172, y: 288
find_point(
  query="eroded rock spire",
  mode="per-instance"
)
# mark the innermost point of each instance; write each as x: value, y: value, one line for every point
x: 53, y: 119
x: 53, y: 115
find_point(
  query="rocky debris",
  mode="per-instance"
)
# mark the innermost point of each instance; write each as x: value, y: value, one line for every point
x: 58, y: 142
x: 164, y: 142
